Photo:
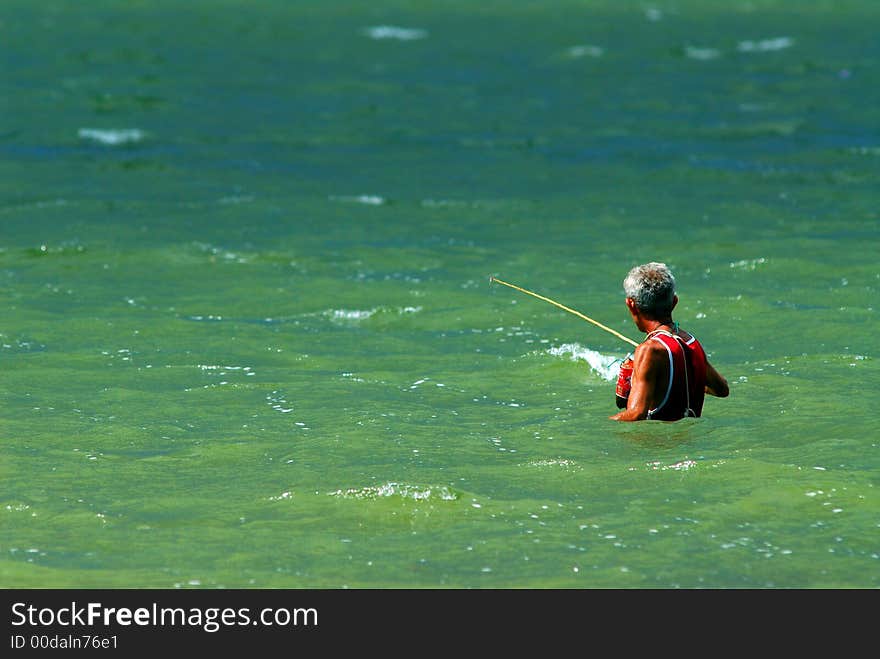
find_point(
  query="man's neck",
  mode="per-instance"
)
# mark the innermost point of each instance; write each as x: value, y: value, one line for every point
x: 650, y: 325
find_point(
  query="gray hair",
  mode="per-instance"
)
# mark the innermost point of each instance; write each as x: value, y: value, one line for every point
x: 652, y: 287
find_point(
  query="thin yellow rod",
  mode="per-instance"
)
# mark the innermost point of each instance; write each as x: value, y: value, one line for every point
x: 565, y: 308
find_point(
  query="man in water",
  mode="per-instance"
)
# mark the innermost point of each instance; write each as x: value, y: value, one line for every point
x: 670, y: 372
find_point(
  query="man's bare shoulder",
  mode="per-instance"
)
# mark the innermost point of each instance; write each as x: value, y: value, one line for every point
x: 649, y: 356
x: 650, y: 348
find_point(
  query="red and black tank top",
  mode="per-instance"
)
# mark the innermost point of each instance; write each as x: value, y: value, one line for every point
x: 684, y: 392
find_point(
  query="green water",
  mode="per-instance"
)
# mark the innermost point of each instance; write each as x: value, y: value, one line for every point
x: 251, y: 342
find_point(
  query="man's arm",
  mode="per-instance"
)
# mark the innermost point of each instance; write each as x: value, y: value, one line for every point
x: 650, y: 366
x: 716, y: 385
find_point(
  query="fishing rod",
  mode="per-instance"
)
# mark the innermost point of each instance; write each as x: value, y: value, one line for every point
x: 565, y: 308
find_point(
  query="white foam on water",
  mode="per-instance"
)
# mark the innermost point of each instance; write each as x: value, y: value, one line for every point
x: 367, y: 199
x: 346, y: 314
x: 765, y: 45
x: 586, y: 50
x: 748, y: 264
x: 112, y: 137
x: 404, y: 490
x: 278, y: 403
x: 702, y: 53
x: 606, y: 366
x: 866, y: 150
x: 551, y: 463
x: 394, y: 32
x: 218, y: 367
x: 684, y: 465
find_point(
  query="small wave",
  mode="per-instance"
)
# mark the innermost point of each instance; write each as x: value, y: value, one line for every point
x: 210, y: 317
x: 393, y: 32
x: 112, y: 137
x: 765, y: 45
x: 866, y: 150
x: 604, y: 365
x: 403, y: 490
x: 684, y: 465
x: 222, y: 369
x: 551, y: 463
x: 20, y: 345
x: 368, y: 199
x: 279, y: 403
x: 585, y: 51
x: 441, y: 203
x: 236, y: 199
x: 346, y: 314
x: 748, y: 264
x: 701, y: 53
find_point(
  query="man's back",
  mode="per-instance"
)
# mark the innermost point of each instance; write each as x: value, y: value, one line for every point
x: 683, y: 373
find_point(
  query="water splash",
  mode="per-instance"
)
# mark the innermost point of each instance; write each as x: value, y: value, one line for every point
x: 606, y: 366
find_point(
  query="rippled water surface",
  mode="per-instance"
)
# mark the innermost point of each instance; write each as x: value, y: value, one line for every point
x: 249, y: 338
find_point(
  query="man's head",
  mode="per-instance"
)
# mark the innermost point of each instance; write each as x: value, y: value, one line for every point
x: 651, y: 288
